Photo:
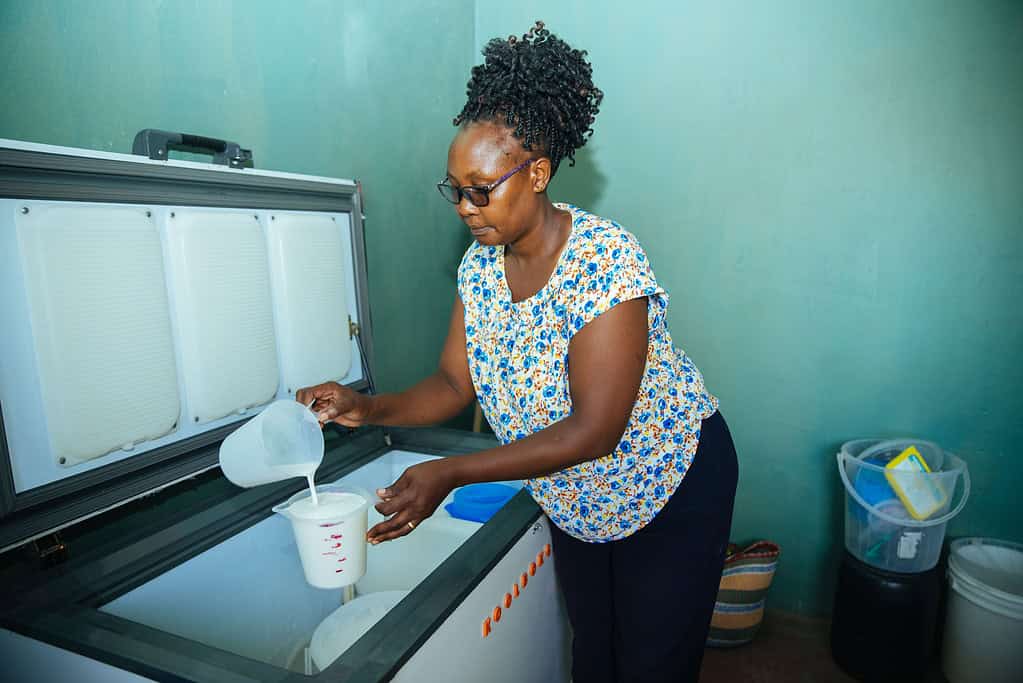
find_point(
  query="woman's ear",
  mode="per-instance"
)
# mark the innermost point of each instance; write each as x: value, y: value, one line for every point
x: 541, y: 174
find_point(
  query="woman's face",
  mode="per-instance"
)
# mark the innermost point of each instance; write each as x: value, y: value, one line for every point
x: 479, y: 155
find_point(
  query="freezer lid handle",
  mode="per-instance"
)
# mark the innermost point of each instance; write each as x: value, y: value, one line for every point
x: 157, y: 144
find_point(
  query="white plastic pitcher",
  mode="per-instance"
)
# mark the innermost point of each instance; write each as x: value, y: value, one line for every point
x: 331, y: 536
x: 881, y: 532
x: 283, y: 441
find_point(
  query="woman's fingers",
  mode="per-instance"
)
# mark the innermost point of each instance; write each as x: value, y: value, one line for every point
x: 322, y: 399
x: 400, y: 525
x: 389, y: 506
x: 305, y: 395
x: 392, y: 498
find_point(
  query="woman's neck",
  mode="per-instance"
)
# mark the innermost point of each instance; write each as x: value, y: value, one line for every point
x: 545, y: 239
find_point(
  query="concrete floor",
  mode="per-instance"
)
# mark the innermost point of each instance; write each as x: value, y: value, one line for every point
x: 787, y: 649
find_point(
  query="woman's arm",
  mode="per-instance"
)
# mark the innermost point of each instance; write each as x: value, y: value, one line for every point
x: 439, y: 397
x: 606, y: 360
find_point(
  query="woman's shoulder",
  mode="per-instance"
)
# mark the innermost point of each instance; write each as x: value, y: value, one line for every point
x: 600, y: 234
x: 477, y: 256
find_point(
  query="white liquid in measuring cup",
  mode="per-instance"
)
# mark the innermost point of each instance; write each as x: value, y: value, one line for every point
x: 307, y: 470
x: 332, y: 505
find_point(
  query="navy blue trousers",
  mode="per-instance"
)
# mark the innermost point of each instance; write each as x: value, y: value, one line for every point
x: 640, y: 607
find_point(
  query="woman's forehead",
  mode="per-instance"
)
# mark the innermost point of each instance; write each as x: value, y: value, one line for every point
x: 483, y: 148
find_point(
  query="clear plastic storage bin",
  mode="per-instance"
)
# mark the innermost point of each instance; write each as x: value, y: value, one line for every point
x: 895, y: 519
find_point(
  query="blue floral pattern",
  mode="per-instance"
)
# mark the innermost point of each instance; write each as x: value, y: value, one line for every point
x: 518, y: 359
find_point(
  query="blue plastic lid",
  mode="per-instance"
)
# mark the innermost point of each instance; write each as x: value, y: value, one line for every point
x: 471, y: 512
x: 479, y: 502
x: 484, y: 493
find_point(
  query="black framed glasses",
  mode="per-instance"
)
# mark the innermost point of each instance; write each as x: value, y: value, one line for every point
x: 478, y: 195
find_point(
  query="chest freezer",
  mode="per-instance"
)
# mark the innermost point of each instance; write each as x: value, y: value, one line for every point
x: 148, y: 309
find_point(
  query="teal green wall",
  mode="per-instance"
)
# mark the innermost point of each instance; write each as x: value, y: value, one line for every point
x: 344, y: 89
x: 833, y: 195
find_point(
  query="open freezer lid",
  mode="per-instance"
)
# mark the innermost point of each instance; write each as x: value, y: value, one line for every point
x: 149, y: 308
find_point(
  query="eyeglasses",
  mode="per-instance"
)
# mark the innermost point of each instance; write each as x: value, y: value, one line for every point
x: 478, y: 195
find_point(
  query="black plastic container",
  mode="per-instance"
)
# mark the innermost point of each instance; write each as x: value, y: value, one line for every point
x: 883, y: 623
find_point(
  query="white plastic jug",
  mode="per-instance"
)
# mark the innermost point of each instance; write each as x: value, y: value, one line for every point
x: 283, y: 441
x: 331, y: 536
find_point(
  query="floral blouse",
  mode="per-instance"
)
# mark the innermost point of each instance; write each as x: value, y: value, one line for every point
x: 518, y: 359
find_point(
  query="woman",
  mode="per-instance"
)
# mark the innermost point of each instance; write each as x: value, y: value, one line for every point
x: 559, y: 331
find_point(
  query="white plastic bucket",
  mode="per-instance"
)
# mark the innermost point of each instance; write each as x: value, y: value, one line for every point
x: 331, y: 536
x: 879, y: 530
x: 283, y: 441
x: 983, y: 638
x: 348, y: 623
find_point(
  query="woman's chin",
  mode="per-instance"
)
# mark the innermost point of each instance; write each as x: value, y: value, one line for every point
x: 486, y: 236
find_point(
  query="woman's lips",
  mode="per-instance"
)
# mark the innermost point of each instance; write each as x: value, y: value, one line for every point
x: 476, y: 232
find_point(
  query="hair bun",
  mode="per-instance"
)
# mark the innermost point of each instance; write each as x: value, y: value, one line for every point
x: 540, y: 87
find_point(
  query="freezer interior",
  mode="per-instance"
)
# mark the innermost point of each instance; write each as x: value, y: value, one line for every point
x: 248, y: 595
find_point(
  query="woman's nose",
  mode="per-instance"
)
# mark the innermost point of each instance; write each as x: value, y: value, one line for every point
x: 466, y: 208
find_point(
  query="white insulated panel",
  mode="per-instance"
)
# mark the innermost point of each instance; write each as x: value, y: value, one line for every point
x: 97, y: 300
x: 222, y: 310
x: 309, y: 264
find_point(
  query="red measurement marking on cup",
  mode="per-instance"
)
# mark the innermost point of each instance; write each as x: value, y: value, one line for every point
x: 336, y: 545
x: 336, y: 536
x: 328, y: 525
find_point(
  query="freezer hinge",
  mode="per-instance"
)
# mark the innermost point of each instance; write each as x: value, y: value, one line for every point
x: 353, y: 328
x: 51, y: 550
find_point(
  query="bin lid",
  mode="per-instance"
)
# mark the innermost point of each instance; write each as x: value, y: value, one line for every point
x: 991, y: 564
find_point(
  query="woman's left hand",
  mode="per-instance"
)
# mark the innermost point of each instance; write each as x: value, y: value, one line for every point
x: 412, y: 498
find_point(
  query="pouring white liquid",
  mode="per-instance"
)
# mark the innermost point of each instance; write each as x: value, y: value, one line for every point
x: 307, y: 470
x: 339, y: 504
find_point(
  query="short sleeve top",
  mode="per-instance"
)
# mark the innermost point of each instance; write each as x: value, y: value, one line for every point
x: 518, y: 359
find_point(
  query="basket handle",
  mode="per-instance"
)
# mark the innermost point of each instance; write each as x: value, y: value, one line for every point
x: 842, y: 457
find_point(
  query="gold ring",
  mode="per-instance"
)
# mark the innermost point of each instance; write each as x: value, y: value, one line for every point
x: 411, y: 525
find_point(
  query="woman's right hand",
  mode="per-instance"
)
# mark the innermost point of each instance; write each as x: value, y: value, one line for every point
x: 334, y: 403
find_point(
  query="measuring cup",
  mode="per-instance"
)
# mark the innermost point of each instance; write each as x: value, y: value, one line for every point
x: 283, y: 441
x: 331, y: 536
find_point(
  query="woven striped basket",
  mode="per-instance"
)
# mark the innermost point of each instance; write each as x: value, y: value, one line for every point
x: 740, y: 603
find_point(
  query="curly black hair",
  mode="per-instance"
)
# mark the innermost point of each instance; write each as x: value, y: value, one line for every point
x: 539, y: 86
